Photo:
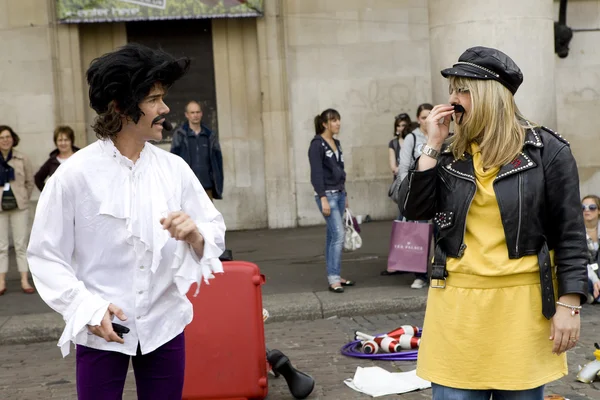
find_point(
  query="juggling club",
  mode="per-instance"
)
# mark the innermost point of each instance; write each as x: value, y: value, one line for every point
x: 404, y: 330
x: 369, y: 347
x: 408, y: 342
x: 386, y: 343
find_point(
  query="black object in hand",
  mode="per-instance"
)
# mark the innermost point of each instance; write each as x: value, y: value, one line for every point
x: 459, y: 108
x: 120, y: 330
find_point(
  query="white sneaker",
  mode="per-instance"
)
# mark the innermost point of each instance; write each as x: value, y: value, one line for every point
x: 418, y: 284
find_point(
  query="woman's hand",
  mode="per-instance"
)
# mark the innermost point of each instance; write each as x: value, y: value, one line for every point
x: 347, y: 203
x: 436, y: 132
x: 325, y: 206
x: 564, y: 327
x: 596, y: 290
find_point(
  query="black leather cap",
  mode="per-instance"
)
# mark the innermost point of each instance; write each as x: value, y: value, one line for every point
x: 487, y: 63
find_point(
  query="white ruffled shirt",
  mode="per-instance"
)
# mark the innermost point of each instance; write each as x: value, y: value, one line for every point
x: 97, y: 239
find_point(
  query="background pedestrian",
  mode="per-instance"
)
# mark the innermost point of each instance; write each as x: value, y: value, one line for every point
x: 328, y: 178
x: 200, y: 148
x: 590, y: 205
x: 16, y: 179
x: 413, y: 143
x: 402, y: 125
x: 64, y: 139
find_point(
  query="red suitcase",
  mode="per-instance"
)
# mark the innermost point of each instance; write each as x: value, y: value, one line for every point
x: 225, y: 342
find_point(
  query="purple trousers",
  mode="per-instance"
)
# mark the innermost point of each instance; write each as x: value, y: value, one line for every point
x: 158, y: 375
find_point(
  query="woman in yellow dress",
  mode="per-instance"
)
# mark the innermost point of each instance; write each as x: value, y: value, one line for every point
x: 509, y: 271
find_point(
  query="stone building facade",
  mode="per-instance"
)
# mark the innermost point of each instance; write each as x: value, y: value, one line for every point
x: 370, y: 59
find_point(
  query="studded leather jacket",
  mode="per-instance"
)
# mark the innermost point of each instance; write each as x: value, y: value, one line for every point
x: 538, y: 197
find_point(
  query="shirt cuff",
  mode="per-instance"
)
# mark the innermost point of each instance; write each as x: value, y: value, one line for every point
x: 89, y: 309
x: 192, y: 269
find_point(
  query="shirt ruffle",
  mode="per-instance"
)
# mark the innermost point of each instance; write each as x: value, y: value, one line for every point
x: 128, y: 197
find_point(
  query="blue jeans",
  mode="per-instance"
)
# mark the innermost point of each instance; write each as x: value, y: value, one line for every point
x: 334, y: 244
x: 446, y: 393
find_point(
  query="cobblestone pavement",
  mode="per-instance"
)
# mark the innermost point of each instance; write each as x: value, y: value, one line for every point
x: 36, y: 371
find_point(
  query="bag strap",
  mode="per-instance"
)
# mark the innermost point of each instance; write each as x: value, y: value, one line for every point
x: 414, y: 145
x: 348, y: 217
x: 396, y: 146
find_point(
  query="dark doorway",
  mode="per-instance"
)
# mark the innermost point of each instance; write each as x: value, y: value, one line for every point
x: 193, y: 39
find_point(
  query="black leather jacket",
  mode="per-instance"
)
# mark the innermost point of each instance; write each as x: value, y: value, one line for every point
x: 538, y: 197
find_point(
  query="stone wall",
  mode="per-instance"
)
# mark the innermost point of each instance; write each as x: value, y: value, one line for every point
x: 578, y: 91
x: 27, y: 89
x: 370, y: 61
x: 237, y: 79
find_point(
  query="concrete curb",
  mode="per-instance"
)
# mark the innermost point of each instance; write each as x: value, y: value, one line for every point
x: 34, y: 328
x: 363, y: 301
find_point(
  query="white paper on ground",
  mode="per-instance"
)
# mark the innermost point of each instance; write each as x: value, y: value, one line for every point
x: 376, y: 381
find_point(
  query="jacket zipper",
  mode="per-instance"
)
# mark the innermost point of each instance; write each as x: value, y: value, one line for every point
x: 520, y: 211
x: 463, y: 246
x: 444, y: 182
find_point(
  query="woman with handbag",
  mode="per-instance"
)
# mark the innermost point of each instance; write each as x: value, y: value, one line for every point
x: 328, y: 179
x: 413, y: 144
x: 16, y: 179
x: 509, y: 271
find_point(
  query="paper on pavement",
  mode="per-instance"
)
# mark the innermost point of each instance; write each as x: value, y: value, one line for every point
x: 376, y: 381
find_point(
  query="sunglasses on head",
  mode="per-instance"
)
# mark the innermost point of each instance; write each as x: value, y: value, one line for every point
x: 401, y: 116
x: 589, y: 207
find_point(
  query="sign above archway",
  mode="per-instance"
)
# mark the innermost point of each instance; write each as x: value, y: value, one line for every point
x: 82, y: 11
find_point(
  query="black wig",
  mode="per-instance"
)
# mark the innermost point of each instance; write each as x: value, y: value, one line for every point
x: 121, y: 79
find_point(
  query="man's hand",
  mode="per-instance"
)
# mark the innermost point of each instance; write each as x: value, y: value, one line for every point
x: 182, y: 227
x: 105, y: 330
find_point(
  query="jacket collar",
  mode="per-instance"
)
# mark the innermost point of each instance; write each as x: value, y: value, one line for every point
x: 54, y: 153
x: 17, y: 155
x: 464, y: 167
x: 532, y: 137
x: 203, y: 129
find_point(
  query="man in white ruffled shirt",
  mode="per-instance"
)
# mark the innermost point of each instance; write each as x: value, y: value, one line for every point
x: 123, y: 229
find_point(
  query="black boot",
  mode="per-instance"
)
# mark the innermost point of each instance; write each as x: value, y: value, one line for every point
x: 300, y: 384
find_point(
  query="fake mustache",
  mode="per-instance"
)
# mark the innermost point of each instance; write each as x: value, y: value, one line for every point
x: 459, y: 109
x: 167, y: 126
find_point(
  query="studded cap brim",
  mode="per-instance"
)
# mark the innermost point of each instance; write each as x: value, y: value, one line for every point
x: 470, y: 71
x: 466, y: 71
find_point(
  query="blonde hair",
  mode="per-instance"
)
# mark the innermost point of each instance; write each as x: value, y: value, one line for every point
x: 495, y: 123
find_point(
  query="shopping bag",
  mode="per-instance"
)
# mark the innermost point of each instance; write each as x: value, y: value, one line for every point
x: 352, y: 240
x: 409, y: 246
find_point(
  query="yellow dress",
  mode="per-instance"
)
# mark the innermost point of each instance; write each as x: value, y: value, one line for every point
x: 486, y: 330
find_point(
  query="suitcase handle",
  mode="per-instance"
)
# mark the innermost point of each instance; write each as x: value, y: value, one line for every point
x: 259, y: 280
